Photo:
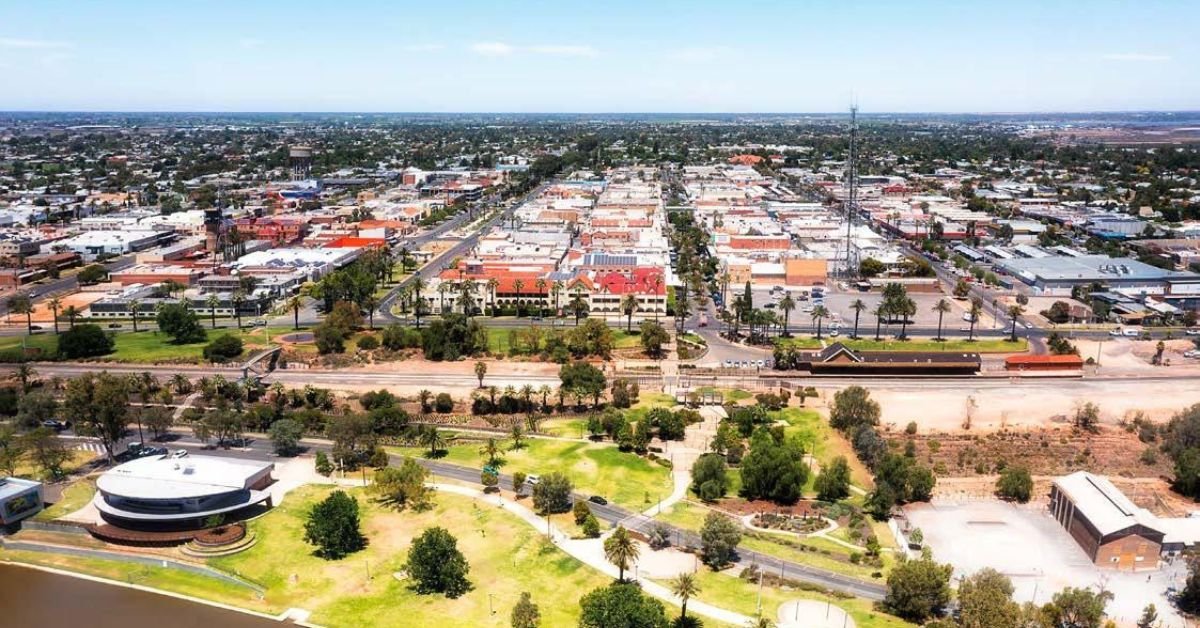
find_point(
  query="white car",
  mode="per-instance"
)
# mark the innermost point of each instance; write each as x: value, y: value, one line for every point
x: 1192, y: 332
x: 532, y: 480
x: 833, y: 333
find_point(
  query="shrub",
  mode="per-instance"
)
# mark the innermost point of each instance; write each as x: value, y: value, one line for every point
x: 443, y: 403
x: 367, y: 343
x: 84, y: 341
x: 591, y: 526
x: 223, y: 348
x: 1015, y: 484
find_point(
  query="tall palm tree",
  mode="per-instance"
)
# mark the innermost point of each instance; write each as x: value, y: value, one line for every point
x: 658, y: 282
x: 442, y: 289
x: 492, y: 285
x: 71, y: 313
x: 542, y: 287
x: 134, y: 306
x: 556, y: 288
x: 907, y: 308
x: 1014, y: 312
x: 490, y: 449
x: 466, y: 296
x: 684, y: 586
x: 858, y: 306
x: 212, y: 303
x: 418, y: 284
x: 976, y: 310
x: 761, y: 622
x: 880, y: 311
x: 431, y: 437
x: 296, y: 303
x: 371, y: 303
x: 578, y: 307
x: 819, y: 313
x: 518, y: 285
x: 239, y: 298
x: 787, y: 304
x: 544, y: 391
x: 620, y: 550
x: 629, y: 305
x: 941, y: 307
x: 20, y: 303
x: 54, y: 303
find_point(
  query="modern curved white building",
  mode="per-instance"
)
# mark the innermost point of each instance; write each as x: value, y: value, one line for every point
x: 161, y: 492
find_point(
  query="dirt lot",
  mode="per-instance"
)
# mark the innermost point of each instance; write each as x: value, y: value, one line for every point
x: 1153, y: 494
x: 1047, y: 451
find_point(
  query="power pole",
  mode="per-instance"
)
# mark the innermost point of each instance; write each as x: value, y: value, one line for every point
x: 851, y: 188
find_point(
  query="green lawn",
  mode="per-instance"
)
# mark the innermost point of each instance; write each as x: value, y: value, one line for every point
x: 567, y: 427
x: 624, y: 478
x: 730, y: 592
x: 868, y: 343
x: 498, y: 337
x: 146, y: 347
x: 73, y: 498
x: 506, y: 556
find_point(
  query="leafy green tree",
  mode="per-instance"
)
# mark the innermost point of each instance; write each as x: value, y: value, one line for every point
x: 436, y: 565
x: 12, y: 449
x: 985, y: 601
x: 36, y: 406
x: 285, y: 436
x: 223, y: 348
x: 47, y: 451
x: 84, y: 341
x: 833, y: 482
x: 552, y: 494
x: 590, y: 526
x: 709, y: 479
x: 1077, y: 608
x: 583, y: 379
x: 719, y: 538
x: 1015, y: 484
x: 180, y: 323
x: 621, y: 605
x: 918, y: 589
x: 653, y: 336
x: 526, y: 614
x: 100, y: 405
x: 580, y: 511
x: 1149, y: 617
x: 774, y: 468
x: 403, y: 486
x: 333, y: 526
x: 852, y: 407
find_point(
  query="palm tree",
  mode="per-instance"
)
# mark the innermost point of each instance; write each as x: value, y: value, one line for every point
x: 941, y: 307
x: 295, y: 303
x: 907, y: 308
x: 858, y: 306
x: 517, y: 286
x: 629, y: 305
x: 239, y: 298
x: 180, y: 383
x: 442, y: 289
x: 976, y: 310
x: 556, y: 288
x: 22, y: 304
x: 134, y: 307
x: 1014, y: 312
x: 490, y: 449
x: 432, y: 438
x: 578, y: 307
x: 761, y: 622
x: 684, y: 587
x: 213, y: 302
x: 620, y: 550
x: 518, y: 436
x: 541, y: 284
x: 466, y: 296
x: 880, y: 311
x: 787, y: 305
x: 492, y: 284
x: 658, y: 282
x: 819, y: 313
x: 54, y: 303
x: 371, y: 303
x: 71, y: 313
x: 25, y: 374
x: 424, y: 396
x: 418, y: 284
x: 544, y: 391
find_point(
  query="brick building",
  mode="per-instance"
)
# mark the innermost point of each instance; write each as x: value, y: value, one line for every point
x: 1111, y: 529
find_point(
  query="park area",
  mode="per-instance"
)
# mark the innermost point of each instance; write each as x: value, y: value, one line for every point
x: 143, y: 347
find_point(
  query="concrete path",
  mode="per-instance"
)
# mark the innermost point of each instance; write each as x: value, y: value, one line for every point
x: 577, y: 550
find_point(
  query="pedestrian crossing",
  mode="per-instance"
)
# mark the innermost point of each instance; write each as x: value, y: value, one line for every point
x: 89, y: 446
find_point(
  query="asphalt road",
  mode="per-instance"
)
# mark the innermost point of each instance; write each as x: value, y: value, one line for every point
x: 65, y: 284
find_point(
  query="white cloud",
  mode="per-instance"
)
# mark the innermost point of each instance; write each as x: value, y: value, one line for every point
x: 32, y: 44
x: 700, y: 54
x: 497, y: 49
x: 1136, y: 56
x: 423, y: 47
x: 568, y: 51
x: 492, y: 49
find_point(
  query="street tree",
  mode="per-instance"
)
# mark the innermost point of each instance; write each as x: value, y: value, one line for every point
x: 985, y: 601
x: 918, y: 589
x: 620, y: 550
x: 436, y: 565
x: 552, y: 494
x: 403, y: 486
x: 719, y: 538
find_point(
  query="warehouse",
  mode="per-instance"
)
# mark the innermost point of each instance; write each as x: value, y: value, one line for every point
x: 1110, y: 528
x: 1058, y: 275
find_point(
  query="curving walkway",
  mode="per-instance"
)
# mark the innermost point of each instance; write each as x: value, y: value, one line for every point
x: 577, y: 550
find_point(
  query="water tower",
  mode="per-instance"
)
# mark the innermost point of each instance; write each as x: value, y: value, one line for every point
x: 300, y: 158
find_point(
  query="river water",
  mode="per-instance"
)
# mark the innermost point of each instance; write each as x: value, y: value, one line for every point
x: 36, y: 599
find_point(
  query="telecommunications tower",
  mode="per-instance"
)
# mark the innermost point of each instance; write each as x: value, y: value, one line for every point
x: 851, y: 192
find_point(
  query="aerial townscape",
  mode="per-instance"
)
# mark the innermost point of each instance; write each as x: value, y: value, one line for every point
x: 271, y: 354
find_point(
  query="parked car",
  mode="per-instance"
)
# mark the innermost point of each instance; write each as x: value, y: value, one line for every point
x: 57, y: 426
x: 833, y: 333
x: 114, y: 325
x: 596, y: 499
x: 179, y: 453
x: 260, y: 322
x: 1192, y: 332
x: 532, y: 480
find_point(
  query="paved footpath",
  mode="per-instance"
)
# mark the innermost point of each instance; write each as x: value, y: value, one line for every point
x: 563, y: 541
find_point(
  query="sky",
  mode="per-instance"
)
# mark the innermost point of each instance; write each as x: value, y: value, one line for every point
x: 600, y: 55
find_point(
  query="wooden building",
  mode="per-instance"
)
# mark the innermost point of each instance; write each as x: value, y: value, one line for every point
x: 1111, y: 529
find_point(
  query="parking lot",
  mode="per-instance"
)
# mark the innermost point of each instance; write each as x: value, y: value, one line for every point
x: 838, y: 303
x: 1027, y: 545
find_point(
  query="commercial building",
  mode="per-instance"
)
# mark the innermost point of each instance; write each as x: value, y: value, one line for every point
x: 1057, y: 275
x: 167, y: 493
x: 837, y: 358
x: 1112, y: 530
